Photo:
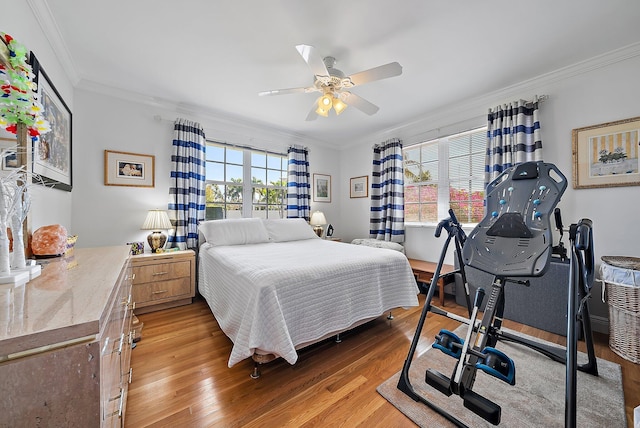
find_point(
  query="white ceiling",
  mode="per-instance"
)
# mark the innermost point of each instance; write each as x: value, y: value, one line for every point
x: 217, y: 55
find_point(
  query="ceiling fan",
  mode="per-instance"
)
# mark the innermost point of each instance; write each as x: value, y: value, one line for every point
x: 334, y: 86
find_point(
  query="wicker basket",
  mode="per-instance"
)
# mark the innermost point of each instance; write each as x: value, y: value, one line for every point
x: 624, y: 313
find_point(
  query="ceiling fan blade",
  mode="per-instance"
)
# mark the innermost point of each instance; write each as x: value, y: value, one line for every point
x: 287, y: 91
x: 312, y: 113
x: 313, y: 59
x: 377, y: 73
x: 359, y: 103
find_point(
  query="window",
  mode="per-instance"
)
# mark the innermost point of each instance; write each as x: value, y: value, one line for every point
x: 445, y: 173
x: 244, y: 182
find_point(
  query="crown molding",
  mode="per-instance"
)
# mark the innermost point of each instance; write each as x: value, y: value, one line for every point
x: 53, y: 35
x: 472, y: 109
x: 243, y: 128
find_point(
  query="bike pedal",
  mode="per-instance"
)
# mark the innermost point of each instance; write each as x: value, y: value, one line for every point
x: 438, y: 381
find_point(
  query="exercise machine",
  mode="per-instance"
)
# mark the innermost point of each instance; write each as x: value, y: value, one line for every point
x: 514, y: 240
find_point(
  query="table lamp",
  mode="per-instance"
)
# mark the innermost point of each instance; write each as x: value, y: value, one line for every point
x: 317, y: 221
x: 156, y: 221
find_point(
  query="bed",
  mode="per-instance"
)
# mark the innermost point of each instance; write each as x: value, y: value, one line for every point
x: 275, y: 287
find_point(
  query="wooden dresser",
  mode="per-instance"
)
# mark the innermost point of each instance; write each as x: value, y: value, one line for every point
x: 163, y: 280
x: 65, y: 342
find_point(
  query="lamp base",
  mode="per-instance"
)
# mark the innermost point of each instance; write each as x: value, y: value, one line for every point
x: 156, y: 240
x: 318, y: 230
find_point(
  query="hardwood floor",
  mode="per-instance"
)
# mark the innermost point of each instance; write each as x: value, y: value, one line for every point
x: 181, y: 378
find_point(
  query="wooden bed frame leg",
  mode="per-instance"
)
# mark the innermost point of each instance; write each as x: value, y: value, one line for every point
x: 390, y: 316
x: 255, y: 374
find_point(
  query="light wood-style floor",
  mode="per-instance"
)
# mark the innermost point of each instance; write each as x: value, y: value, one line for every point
x: 181, y: 378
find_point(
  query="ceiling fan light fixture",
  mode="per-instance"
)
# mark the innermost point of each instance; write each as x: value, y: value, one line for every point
x: 322, y: 111
x: 325, y: 102
x: 339, y: 105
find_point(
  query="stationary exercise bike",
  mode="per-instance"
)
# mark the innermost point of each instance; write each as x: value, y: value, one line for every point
x: 514, y: 240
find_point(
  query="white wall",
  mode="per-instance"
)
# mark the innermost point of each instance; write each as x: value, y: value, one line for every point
x: 585, y: 95
x: 112, y: 215
x: 49, y: 206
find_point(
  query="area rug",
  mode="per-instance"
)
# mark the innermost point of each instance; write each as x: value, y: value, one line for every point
x: 536, y: 400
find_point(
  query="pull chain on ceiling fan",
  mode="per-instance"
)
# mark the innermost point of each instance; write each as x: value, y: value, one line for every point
x: 333, y: 84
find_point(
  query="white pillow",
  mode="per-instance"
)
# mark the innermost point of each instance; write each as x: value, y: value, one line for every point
x: 234, y: 231
x: 289, y: 229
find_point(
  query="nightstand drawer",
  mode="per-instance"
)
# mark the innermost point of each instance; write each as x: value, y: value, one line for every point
x: 163, y: 280
x: 161, y: 272
x: 153, y: 291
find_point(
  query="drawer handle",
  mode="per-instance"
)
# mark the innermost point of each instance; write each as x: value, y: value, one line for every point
x: 160, y: 273
x: 117, y: 396
x: 120, y: 406
x: 159, y: 292
x: 121, y: 344
x: 130, y: 374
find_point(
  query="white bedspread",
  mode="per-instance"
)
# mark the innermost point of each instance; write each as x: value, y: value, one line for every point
x: 274, y: 296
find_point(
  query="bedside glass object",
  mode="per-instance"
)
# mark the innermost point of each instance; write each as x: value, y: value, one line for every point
x: 136, y: 248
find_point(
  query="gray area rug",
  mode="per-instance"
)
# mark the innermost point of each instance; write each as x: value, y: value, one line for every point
x: 536, y: 400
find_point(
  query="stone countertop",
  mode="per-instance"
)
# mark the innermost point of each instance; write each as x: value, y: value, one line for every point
x: 65, y: 303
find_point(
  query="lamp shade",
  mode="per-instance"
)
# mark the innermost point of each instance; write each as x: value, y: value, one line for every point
x: 157, y: 220
x: 338, y: 105
x: 318, y: 218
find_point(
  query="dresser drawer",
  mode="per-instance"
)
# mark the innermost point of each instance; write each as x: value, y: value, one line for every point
x: 153, y: 291
x: 161, y: 272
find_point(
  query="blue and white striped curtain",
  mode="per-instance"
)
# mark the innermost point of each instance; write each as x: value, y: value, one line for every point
x: 187, y: 188
x: 513, y: 137
x: 298, y: 186
x: 387, y: 192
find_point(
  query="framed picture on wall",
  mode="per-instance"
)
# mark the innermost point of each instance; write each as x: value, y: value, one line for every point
x: 359, y: 187
x: 321, y: 188
x: 9, y: 160
x: 52, y: 152
x: 606, y: 155
x: 128, y: 169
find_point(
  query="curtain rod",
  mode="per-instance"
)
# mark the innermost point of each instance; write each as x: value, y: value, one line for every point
x: 245, y: 147
x: 159, y: 118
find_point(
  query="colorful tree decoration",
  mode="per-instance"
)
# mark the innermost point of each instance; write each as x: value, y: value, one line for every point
x: 18, y: 96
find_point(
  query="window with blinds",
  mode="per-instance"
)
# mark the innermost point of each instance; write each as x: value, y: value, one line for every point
x: 445, y: 173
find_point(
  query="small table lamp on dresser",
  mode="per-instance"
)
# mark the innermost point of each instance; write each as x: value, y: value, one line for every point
x: 156, y: 221
x: 317, y: 221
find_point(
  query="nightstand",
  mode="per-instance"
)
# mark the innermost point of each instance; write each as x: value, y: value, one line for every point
x: 163, y: 280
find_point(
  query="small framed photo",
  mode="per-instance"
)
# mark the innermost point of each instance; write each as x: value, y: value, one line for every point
x: 321, y: 188
x: 359, y: 187
x: 606, y: 155
x: 128, y: 169
x: 9, y: 160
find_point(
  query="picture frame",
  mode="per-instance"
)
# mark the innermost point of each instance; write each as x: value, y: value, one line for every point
x: 321, y: 188
x: 10, y: 160
x: 606, y: 155
x: 359, y: 187
x: 128, y: 169
x: 52, y: 164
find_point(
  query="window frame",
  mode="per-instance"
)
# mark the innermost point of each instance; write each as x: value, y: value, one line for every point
x: 443, y: 180
x: 247, y: 203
